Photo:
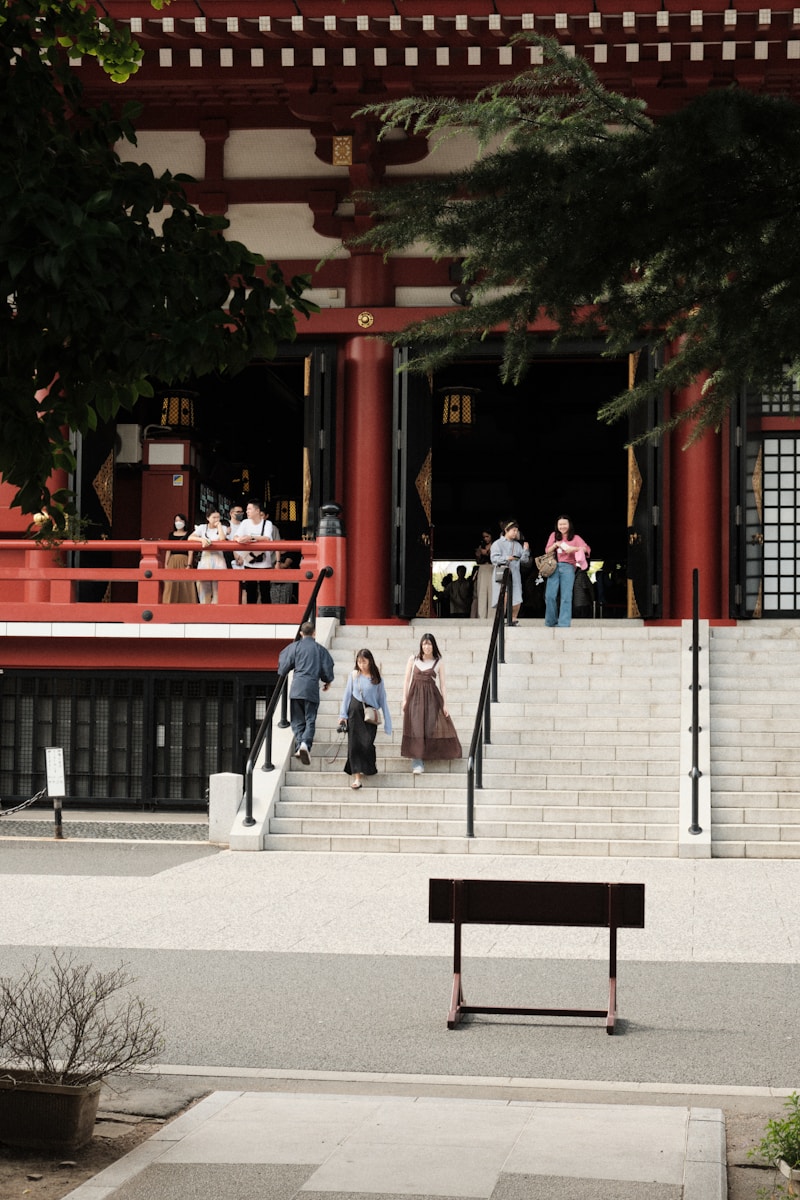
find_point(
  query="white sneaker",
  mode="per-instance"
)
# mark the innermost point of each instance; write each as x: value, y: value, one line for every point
x: 417, y: 770
x: 305, y: 757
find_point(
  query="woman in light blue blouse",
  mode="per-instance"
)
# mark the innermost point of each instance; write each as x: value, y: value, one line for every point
x: 364, y: 686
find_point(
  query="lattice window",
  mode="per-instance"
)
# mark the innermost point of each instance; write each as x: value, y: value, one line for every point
x: 781, y: 516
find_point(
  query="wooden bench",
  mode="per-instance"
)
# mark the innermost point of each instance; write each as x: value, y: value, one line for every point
x: 609, y: 906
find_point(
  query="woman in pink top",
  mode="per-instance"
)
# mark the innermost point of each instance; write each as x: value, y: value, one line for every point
x: 571, y: 552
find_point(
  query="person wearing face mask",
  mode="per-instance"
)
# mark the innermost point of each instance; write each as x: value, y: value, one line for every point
x: 235, y: 559
x: 178, y: 591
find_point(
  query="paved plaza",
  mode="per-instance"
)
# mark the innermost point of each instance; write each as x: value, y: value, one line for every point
x: 313, y: 993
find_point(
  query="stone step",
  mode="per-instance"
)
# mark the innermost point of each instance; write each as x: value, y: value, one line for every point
x: 785, y: 806
x: 750, y: 849
x: 504, y: 760
x: 363, y: 827
x: 754, y: 832
x: 360, y: 844
x: 522, y: 784
x: 351, y: 805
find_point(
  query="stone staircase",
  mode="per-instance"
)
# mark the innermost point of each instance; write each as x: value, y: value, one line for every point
x: 584, y: 756
x: 755, y: 740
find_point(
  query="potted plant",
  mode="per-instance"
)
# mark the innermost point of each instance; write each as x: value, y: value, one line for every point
x: 780, y: 1147
x: 64, y: 1028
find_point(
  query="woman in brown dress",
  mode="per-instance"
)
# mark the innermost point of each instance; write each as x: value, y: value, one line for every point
x: 178, y: 591
x: 428, y: 731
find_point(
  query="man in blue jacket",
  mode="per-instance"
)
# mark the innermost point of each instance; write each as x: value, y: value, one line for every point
x: 312, y: 665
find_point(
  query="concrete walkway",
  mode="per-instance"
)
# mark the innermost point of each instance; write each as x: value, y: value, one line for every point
x: 257, y: 1146
x: 312, y: 993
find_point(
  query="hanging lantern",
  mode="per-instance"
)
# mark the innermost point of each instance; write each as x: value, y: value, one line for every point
x: 285, y: 510
x: 177, y: 408
x: 458, y: 408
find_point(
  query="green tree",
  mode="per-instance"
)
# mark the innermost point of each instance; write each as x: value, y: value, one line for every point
x: 96, y: 298
x: 683, y: 231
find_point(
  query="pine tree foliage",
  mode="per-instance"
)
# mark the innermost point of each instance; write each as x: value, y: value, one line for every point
x: 96, y: 297
x: 683, y: 233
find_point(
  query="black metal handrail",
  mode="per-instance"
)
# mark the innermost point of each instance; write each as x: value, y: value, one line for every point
x: 264, y: 733
x: 482, y: 729
x: 695, y: 771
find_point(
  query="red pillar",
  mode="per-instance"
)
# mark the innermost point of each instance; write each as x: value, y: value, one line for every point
x: 696, y: 532
x: 368, y: 447
x: 368, y: 478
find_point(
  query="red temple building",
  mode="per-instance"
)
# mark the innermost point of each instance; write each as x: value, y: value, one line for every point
x: 255, y: 99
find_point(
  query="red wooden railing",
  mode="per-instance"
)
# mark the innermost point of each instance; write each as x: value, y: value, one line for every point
x: 40, y: 583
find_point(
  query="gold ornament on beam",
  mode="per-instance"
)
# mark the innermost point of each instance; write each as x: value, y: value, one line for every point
x: 342, y: 150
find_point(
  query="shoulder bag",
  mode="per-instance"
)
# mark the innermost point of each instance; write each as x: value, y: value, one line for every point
x: 257, y: 558
x: 546, y: 564
x: 372, y: 716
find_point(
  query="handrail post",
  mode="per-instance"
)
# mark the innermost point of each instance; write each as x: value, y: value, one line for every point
x: 695, y: 771
x: 284, y: 721
x: 471, y: 800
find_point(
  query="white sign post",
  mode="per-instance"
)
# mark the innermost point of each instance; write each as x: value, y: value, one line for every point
x: 56, y: 786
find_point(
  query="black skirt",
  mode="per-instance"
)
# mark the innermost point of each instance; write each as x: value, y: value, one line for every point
x: 360, y: 742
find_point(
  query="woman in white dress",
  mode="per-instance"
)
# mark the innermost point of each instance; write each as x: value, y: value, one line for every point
x: 209, y: 536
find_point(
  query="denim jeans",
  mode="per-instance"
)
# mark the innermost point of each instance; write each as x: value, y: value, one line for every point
x: 562, y: 580
x: 303, y: 718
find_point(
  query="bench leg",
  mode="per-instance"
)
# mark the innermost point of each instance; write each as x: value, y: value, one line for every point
x: 456, y: 1001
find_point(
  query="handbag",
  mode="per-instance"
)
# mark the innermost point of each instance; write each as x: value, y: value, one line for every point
x: 372, y: 716
x: 546, y: 564
x: 500, y: 572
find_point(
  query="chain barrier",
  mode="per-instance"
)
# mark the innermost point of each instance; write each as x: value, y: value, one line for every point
x: 8, y: 812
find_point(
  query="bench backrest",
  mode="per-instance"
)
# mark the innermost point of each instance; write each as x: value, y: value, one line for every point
x: 511, y: 902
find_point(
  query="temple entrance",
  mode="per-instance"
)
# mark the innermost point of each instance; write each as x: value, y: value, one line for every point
x: 533, y: 451
x: 530, y: 452
x: 265, y: 434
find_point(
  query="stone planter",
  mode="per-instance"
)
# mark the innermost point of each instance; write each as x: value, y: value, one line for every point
x: 46, y: 1116
x: 792, y: 1174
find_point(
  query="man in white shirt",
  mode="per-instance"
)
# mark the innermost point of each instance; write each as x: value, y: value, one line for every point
x: 254, y: 528
x: 235, y: 518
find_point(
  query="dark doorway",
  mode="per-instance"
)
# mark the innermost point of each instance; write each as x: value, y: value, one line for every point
x: 266, y: 434
x: 251, y: 430
x: 536, y: 450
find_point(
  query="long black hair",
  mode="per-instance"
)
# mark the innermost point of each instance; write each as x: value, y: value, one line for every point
x: 374, y: 673
x: 570, y: 530
x: 428, y: 637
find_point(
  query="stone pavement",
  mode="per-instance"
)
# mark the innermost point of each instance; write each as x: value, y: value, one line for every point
x: 319, y: 976
x: 276, y: 1146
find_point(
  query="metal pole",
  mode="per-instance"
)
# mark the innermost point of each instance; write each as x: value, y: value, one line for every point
x: 59, y: 832
x: 695, y: 772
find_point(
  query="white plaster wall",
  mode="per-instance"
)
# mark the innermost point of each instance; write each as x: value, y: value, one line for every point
x: 275, y: 154
x: 280, y: 231
x: 178, y: 151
